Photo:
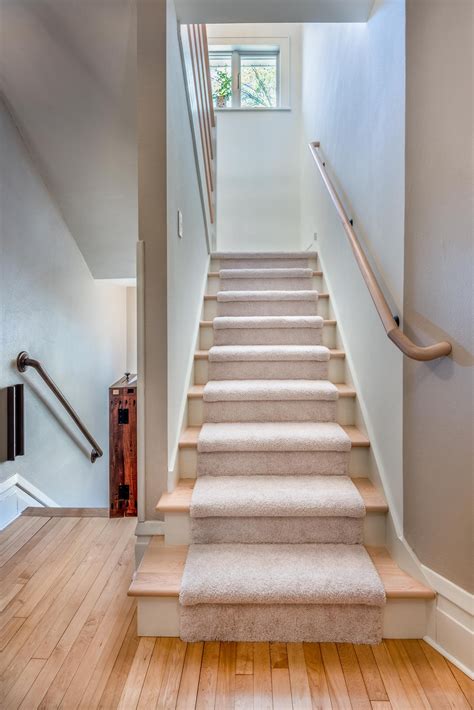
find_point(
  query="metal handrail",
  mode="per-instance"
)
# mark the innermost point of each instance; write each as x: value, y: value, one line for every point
x: 24, y: 361
x: 396, y: 335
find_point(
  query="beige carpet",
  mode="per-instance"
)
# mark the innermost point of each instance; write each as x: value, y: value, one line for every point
x: 276, y: 523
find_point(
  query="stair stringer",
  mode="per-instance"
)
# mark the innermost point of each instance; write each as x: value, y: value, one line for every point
x: 173, y: 472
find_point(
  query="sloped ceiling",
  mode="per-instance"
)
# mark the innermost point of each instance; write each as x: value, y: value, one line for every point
x: 68, y: 74
x: 219, y: 11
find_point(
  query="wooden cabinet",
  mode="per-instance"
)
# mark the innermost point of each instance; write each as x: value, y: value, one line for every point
x: 123, y: 447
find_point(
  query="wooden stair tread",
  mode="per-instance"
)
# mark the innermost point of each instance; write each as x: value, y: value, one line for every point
x: 190, y: 435
x: 179, y: 500
x: 334, y: 353
x: 208, y: 323
x: 196, y: 391
x: 161, y: 569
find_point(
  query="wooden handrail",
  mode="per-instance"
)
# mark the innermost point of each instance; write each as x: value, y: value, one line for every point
x: 397, y: 336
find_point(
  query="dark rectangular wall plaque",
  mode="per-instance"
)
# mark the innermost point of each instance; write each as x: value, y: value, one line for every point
x: 15, y: 422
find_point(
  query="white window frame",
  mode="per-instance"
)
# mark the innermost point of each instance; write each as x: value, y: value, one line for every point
x: 238, y: 46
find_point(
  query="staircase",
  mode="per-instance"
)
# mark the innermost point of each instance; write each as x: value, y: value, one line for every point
x: 275, y: 531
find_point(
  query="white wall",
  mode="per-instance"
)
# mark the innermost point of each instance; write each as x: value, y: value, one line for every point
x: 354, y: 102
x: 51, y: 307
x: 258, y: 160
x: 187, y: 257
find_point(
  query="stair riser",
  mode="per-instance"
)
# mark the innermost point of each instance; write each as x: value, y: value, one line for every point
x: 358, y: 464
x: 334, y: 371
x: 280, y: 411
x: 299, y: 283
x: 264, y: 263
x: 279, y: 463
x: 349, y: 531
x: 267, y: 411
x: 214, y: 284
x: 267, y: 308
x: 268, y: 336
x: 263, y: 336
x: 402, y: 618
x: 270, y: 370
x: 178, y: 528
x: 281, y: 622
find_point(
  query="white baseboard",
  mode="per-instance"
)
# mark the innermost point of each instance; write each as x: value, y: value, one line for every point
x: 450, y: 627
x: 16, y: 494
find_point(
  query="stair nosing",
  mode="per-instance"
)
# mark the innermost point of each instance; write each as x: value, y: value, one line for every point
x: 148, y: 583
x: 190, y: 435
x: 187, y: 484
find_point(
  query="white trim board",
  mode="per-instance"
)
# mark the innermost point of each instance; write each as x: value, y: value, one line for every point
x: 173, y: 474
x: 16, y: 494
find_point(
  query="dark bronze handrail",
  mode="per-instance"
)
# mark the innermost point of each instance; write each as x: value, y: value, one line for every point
x: 24, y: 361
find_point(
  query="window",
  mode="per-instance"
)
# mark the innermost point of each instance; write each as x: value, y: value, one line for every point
x: 245, y: 77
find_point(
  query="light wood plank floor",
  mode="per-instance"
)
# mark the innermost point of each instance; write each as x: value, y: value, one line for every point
x: 68, y: 640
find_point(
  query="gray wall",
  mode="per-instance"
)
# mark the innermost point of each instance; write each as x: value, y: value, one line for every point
x: 438, y: 397
x: 51, y: 306
x: 68, y: 69
x: 353, y: 102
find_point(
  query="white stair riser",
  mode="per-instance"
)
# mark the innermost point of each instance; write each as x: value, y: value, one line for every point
x: 262, y: 336
x: 337, y: 371
x: 358, y: 462
x: 215, y: 284
x: 178, y: 528
x: 402, y: 618
x: 265, y: 263
x: 345, y: 411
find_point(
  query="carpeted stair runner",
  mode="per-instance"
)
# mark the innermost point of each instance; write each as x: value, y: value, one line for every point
x: 283, y: 509
x: 276, y: 524
x: 273, y: 448
x: 278, y: 362
x: 281, y: 592
x: 268, y: 330
x: 267, y: 303
x: 267, y: 260
x: 266, y: 279
x: 270, y: 400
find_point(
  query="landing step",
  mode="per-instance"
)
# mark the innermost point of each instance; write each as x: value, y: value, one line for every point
x: 161, y: 570
x: 179, y: 500
x: 189, y: 437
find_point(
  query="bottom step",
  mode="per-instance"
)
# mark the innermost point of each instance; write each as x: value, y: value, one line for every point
x: 157, y: 584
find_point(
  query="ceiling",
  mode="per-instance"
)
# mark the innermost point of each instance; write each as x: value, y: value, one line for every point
x: 221, y: 11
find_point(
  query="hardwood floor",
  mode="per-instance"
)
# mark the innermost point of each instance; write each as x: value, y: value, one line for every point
x: 68, y: 639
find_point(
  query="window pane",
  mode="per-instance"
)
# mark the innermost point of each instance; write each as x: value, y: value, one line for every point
x: 258, y: 79
x: 221, y: 78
